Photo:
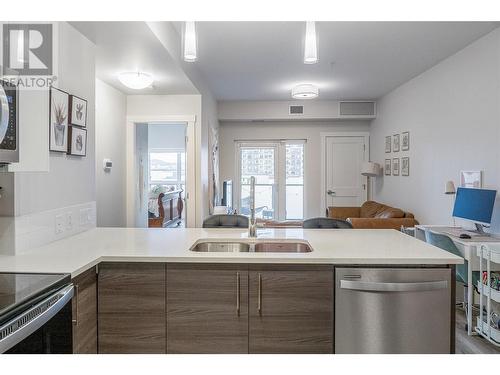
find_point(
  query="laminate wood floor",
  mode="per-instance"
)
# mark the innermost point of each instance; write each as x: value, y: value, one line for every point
x: 465, y: 344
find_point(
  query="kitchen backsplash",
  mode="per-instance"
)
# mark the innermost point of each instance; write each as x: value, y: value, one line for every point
x: 21, y: 233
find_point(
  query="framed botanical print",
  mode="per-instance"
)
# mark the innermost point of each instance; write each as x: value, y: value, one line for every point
x: 388, y: 141
x: 77, y: 111
x: 395, y: 167
x: 405, y: 141
x: 58, y: 120
x: 395, y: 143
x: 387, y: 167
x: 77, y: 141
x: 405, y: 166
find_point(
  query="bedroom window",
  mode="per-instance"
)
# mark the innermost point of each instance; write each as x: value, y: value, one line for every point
x: 167, y: 170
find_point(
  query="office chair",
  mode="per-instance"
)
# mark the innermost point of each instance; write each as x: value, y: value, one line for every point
x: 444, y: 242
x: 226, y: 221
x: 326, y: 223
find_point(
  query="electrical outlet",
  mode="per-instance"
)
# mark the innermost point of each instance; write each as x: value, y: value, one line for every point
x: 59, y: 224
x: 83, y: 216
x: 69, y: 220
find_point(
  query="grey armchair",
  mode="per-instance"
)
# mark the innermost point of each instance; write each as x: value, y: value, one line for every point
x: 226, y: 221
x: 326, y: 223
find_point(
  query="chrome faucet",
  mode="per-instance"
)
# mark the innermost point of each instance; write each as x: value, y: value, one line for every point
x: 252, y: 223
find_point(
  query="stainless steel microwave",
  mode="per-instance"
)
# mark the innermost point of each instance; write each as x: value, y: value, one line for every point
x: 9, y: 130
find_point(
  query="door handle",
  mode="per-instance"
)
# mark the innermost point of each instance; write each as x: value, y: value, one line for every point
x: 393, y: 287
x: 237, y: 293
x: 330, y: 192
x: 76, y: 295
x: 259, y: 295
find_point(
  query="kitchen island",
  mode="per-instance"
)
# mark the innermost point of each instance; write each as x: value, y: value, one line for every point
x: 147, y: 292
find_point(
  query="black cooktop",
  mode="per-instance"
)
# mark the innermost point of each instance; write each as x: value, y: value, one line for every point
x: 19, y: 291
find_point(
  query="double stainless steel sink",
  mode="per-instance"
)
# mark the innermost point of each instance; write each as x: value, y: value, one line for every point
x: 255, y: 246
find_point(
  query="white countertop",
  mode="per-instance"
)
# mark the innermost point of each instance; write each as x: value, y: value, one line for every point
x: 80, y: 252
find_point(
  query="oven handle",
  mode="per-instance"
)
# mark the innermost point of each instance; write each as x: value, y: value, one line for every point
x: 393, y: 287
x: 4, y: 113
x: 20, y: 327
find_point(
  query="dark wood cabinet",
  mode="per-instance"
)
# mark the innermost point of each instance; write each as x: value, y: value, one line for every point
x: 85, y: 313
x: 131, y: 308
x: 207, y: 309
x: 290, y: 309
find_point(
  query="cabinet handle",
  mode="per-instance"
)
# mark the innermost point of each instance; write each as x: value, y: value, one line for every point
x: 75, y: 321
x: 237, y: 293
x: 259, y: 297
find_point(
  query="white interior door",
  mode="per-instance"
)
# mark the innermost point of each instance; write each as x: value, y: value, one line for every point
x: 345, y: 186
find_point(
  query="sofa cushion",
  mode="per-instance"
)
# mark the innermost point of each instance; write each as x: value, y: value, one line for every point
x: 378, y: 210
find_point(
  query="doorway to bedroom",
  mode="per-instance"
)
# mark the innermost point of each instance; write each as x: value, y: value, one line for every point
x: 161, y: 172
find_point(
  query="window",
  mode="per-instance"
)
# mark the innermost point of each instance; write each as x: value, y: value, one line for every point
x: 167, y: 170
x: 270, y: 163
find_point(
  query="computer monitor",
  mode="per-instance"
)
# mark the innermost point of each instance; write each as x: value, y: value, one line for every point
x: 475, y: 205
x: 227, y: 194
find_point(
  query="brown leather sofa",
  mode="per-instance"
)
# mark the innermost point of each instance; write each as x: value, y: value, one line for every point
x: 373, y: 215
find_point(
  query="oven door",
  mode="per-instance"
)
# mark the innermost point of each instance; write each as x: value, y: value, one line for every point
x: 45, y: 328
x: 9, y: 130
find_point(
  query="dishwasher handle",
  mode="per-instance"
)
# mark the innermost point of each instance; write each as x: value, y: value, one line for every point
x: 369, y: 286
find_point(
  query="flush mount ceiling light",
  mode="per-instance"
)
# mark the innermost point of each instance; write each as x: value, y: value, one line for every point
x: 310, y: 46
x: 136, y: 80
x: 306, y: 91
x: 190, y: 41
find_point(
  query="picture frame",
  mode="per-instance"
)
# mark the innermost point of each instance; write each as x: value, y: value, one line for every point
x: 58, y: 120
x: 395, y: 166
x: 405, y: 166
x: 388, y: 143
x: 77, y: 141
x: 471, y: 179
x: 77, y: 111
x: 405, y: 141
x: 387, y: 167
x: 395, y: 142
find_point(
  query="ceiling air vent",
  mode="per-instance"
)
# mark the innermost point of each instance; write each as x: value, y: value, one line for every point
x: 357, y: 109
x: 296, y: 110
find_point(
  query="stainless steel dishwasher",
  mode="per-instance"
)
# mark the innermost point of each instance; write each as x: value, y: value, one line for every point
x: 392, y: 310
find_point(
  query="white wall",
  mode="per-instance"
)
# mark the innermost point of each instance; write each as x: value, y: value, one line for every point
x: 248, y: 110
x: 71, y: 179
x: 453, y: 114
x: 111, y: 109
x: 167, y: 136
x: 310, y: 131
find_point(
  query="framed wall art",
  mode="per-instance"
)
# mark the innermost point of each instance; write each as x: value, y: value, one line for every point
x: 77, y: 141
x: 77, y: 111
x: 405, y: 166
x: 58, y: 120
x: 405, y: 141
x: 471, y: 179
x: 395, y: 143
x: 395, y: 167
x: 387, y: 167
x: 388, y: 141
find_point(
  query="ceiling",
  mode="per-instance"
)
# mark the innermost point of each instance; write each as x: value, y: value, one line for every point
x: 357, y: 60
x: 132, y: 46
x: 264, y: 60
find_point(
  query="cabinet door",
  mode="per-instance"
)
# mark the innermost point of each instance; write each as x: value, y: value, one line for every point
x: 85, y: 313
x: 207, y: 309
x: 132, y: 308
x: 291, y: 310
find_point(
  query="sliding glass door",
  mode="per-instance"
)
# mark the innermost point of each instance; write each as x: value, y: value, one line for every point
x: 278, y: 168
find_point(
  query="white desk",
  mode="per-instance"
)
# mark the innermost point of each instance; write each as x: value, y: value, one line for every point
x: 467, y: 248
